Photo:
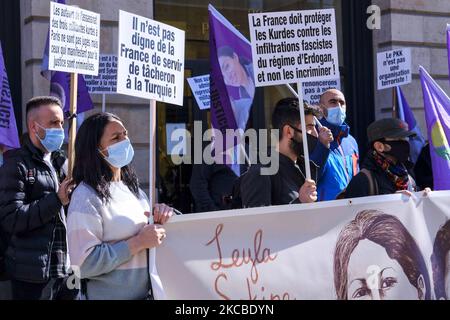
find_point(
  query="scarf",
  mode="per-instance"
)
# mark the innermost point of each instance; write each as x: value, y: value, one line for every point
x: 397, y: 173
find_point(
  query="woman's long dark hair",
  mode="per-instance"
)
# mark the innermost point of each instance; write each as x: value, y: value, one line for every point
x: 90, y: 167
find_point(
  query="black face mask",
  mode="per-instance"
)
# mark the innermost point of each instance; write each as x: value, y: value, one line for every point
x: 400, y: 150
x: 297, y: 146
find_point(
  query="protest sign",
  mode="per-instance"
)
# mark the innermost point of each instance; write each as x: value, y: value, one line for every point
x: 106, y: 80
x: 150, y: 59
x: 394, y: 68
x: 201, y: 91
x: 385, y: 247
x: 293, y: 46
x: 74, y: 39
x: 314, y: 89
x: 176, y: 139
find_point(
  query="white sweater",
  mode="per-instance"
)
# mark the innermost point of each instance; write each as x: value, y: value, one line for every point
x: 97, y: 234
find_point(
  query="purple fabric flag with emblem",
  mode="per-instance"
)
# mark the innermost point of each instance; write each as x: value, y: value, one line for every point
x: 448, y: 48
x: 437, y: 114
x: 406, y: 115
x: 232, y: 85
x: 60, y: 84
x: 9, y: 136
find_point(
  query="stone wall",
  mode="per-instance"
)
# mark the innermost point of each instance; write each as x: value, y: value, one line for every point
x: 420, y: 25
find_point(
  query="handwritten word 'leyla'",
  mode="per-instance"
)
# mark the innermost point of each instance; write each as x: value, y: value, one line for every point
x: 242, y: 257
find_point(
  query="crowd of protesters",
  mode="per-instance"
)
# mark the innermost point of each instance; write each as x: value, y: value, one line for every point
x: 102, y: 222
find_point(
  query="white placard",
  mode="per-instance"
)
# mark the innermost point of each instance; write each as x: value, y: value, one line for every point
x: 74, y: 39
x: 150, y: 59
x: 201, y: 91
x: 394, y: 68
x: 314, y: 89
x: 106, y: 80
x: 176, y: 139
x: 294, y: 46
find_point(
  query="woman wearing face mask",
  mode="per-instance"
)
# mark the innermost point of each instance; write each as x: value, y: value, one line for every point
x: 108, y: 231
x: 385, y: 170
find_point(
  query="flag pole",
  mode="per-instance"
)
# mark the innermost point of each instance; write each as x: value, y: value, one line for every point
x: 394, y: 103
x: 103, y: 103
x: 303, y: 122
x: 152, y: 154
x: 72, y: 121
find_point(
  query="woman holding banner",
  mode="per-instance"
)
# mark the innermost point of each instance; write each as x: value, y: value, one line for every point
x: 108, y: 231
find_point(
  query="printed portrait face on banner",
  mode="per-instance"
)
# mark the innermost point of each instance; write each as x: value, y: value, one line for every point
x: 440, y: 261
x: 237, y: 72
x: 376, y: 258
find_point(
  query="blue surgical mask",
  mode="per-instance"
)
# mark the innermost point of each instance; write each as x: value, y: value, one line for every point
x: 54, y: 138
x: 336, y: 116
x: 1, y: 159
x: 120, y: 154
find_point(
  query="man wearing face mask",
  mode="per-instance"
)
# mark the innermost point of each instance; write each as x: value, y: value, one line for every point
x: 289, y: 185
x: 385, y: 170
x: 342, y: 157
x: 32, y: 200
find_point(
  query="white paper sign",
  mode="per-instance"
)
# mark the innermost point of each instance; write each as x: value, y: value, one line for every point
x: 201, y: 91
x: 176, y: 139
x: 394, y: 68
x: 314, y: 89
x: 74, y: 40
x: 293, y: 46
x: 150, y: 59
x: 106, y: 80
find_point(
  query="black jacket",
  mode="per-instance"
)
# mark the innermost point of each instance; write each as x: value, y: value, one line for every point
x: 279, y: 189
x: 29, y: 207
x: 359, y: 185
x: 211, y: 186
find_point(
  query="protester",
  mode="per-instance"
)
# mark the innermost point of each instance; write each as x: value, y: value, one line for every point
x: 423, y: 169
x: 385, y: 170
x: 108, y: 216
x: 211, y: 186
x: 342, y: 156
x: 289, y: 184
x: 33, y: 192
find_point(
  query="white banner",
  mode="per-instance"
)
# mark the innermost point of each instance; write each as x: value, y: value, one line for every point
x: 386, y: 247
x: 74, y: 44
x: 201, y: 91
x: 151, y: 59
x: 106, y: 81
x: 394, y: 68
x: 293, y: 46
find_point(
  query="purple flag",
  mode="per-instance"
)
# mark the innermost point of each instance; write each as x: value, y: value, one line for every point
x: 406, y: 114
x: 448, y: 47
x: 437, y: 114
x: 8, y: 128
x: 60, y: 84
x: 232, y: 85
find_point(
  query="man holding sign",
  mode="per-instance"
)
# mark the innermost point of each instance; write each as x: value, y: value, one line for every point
x: 289, y: 185
x: 33, y: 196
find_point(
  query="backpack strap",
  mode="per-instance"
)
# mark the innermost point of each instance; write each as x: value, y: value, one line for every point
x: 373, y: 185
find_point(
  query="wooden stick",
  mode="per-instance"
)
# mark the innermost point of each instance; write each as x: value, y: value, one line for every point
x: 303, y: 122
x: 152, y: 151
x: 72, y: 121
